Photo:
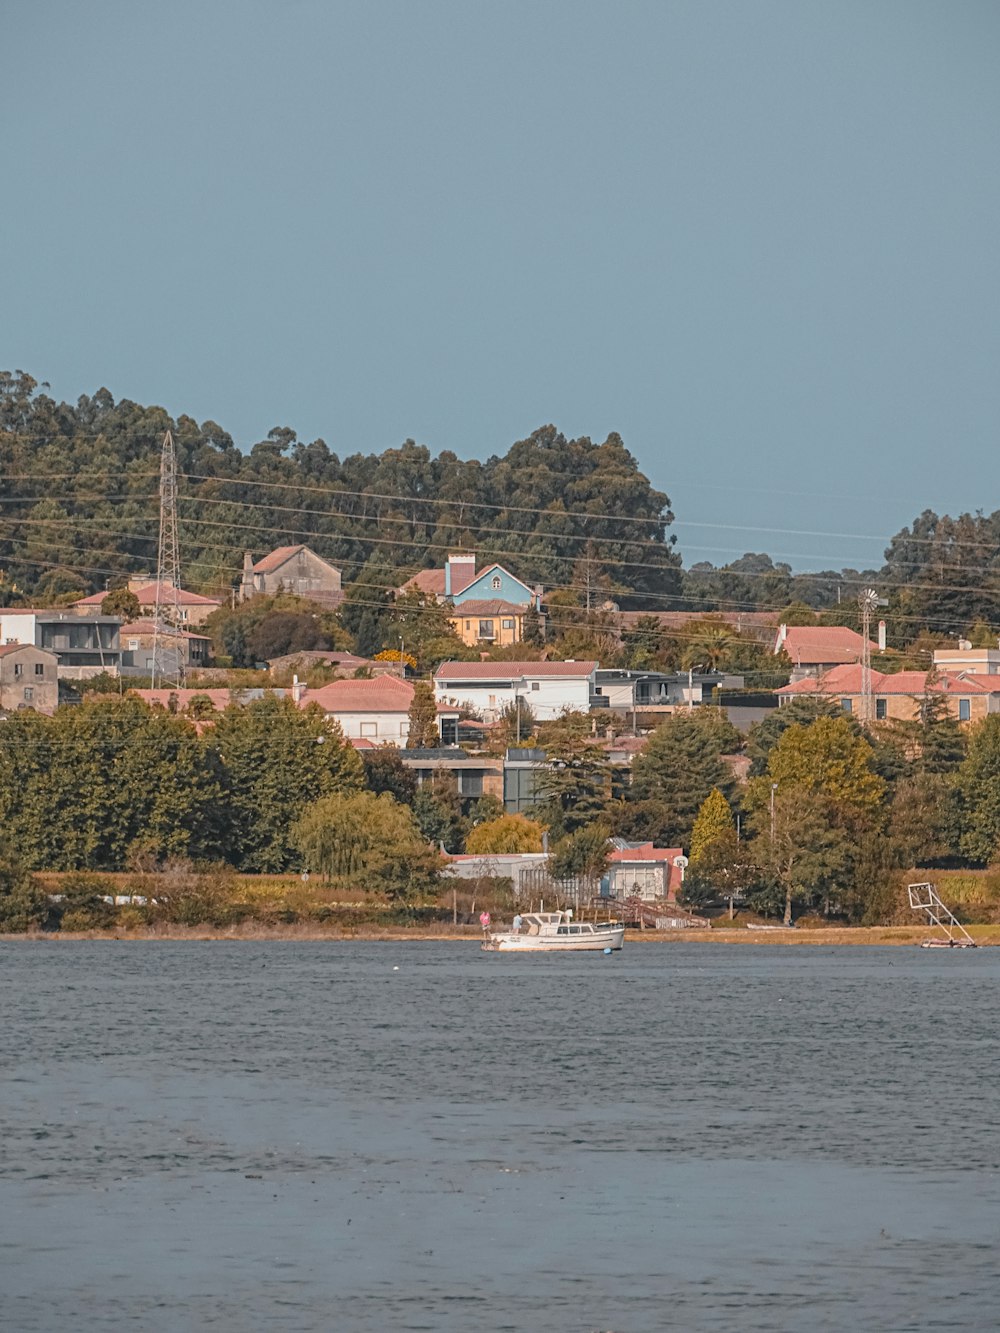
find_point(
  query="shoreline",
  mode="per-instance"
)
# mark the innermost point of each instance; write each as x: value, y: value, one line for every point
x: 831, y: 936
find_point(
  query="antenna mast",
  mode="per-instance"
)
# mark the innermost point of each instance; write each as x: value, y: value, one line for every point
x: 167, y: 653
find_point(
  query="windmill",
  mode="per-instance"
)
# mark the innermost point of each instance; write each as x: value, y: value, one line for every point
x: 167, y: 649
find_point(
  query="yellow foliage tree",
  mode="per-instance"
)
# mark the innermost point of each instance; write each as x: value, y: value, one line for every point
x: 508, y: 834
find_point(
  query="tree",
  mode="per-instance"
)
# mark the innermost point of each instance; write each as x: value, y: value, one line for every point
x: 121, y: 602
x: 924, y: 819
x: 679, y: 767
x: 764, y: 736
x: 509, y: 833
x: 804, y: 848
x: 940, y: 738
x: 284, y: 632
x: 531, y: 627
x: 423, y: 733
x: 437, y: 809
x: 385, y: 771
x: 582, y: 854
x: 574, y: 787
x: 827, y: 758
x: 978, y: 785
x: 81, y: 789
x: 713, y: 825
x: 367, y: 841
x: 24, y: 904
x: 277, y: 759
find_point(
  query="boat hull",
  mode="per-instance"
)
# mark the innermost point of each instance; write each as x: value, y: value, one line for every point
x: 613, y: 938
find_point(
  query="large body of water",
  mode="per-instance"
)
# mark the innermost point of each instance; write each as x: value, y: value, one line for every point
x: 239, y: 1136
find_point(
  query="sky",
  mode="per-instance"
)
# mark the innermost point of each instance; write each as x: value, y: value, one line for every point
x: 757, y: 239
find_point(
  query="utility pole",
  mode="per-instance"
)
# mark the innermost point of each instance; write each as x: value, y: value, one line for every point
x: 167, y: 648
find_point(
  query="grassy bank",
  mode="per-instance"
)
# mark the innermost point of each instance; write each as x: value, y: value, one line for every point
x: 250, y: 931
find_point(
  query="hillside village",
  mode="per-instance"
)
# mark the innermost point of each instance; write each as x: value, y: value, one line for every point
x: 604, y: 777
x: 425, y: 678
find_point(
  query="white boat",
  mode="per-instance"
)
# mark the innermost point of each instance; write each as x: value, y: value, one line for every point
x: 556, y: 932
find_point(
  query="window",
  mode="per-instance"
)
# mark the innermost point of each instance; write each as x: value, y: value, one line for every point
x: 184, y: 615
x: 496, y: 582
x: 29, y: 693
x: 149, y: 664
x: 486, y: 629
x: 506, y: 624
x: 880, y: 709
x: 847, y: 705
x: 404, y: 728
x: 17, y: 669
x: 468, y: 624
x: 964, y: 710
x: 39, y: 668
x: 133, y: 645
x: 369, y: 728
x: 535, y: 685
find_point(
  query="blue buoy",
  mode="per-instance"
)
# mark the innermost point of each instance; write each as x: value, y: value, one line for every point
x: 607, y: 950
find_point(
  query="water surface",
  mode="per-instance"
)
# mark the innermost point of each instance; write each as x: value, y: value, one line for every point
x: 376, y: 1136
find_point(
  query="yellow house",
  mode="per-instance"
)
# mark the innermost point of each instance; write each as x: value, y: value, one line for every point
x: 490, y: 621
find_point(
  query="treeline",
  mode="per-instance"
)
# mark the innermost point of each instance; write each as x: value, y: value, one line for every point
x: 80, y: 484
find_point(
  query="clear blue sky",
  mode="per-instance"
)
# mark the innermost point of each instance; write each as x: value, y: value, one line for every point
x: 761, y: 240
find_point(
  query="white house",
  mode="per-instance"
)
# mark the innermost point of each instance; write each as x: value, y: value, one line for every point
x: 548, y: 688
x: 377, y: 710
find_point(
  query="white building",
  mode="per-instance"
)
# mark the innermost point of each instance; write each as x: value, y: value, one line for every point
x: 548, y: 688
x: 980, y: 661
x: 376, y: 710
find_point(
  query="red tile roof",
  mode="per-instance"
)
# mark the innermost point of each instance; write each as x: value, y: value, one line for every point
x: 382, y: 694
x: 431, y: 581
x: 147, y: 597
x: 846, y: 680
x: 814, y: 645
x: 275, y: 559
x: 451, y: 671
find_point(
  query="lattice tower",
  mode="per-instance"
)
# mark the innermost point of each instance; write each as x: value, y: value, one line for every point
x: 168, y: 666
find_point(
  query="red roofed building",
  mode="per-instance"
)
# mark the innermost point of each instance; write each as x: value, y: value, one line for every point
x: 377, y: 710
x: 292, y: 569
x: 640, y: 870
x: 900, y: 695
x: 814, y: 649
x: 194, y: 608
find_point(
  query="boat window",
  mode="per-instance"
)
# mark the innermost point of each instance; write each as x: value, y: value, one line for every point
x: 562, y: 930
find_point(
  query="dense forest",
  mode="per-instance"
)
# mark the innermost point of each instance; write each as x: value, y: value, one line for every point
x: 79, y: 489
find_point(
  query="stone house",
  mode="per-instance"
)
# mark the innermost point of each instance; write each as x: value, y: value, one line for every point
x: 192, y: 608
x: 29, y: 678
x: 899, y: 696
x: 292, y: 569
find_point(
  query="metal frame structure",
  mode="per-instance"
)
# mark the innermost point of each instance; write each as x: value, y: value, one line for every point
x: 168, y: 663
x: 924, y: 898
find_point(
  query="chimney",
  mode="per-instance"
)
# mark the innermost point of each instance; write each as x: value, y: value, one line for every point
x: 881, y: 636
x: 247, y: 561
x: 782, y: 636
x: 459, y: 562
x: 298, y: 690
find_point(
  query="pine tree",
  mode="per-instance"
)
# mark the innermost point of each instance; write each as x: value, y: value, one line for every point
x: 531, y: 627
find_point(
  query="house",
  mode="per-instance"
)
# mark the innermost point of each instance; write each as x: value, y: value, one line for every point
x: 491, y: 621
x: 640, y: 870
x: 901, y: 695
x: 136, y: 640
x: 193, y: 608
x: 291, y: 569
x: 84, y: 646
x: 377, y: 710
x: 487, y: 688
x: 626, y: 691
x: 980, y: 661
x: 461, y: 582
x: 814, y: 649
x: 475, y: 775
x: 28, y: 678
